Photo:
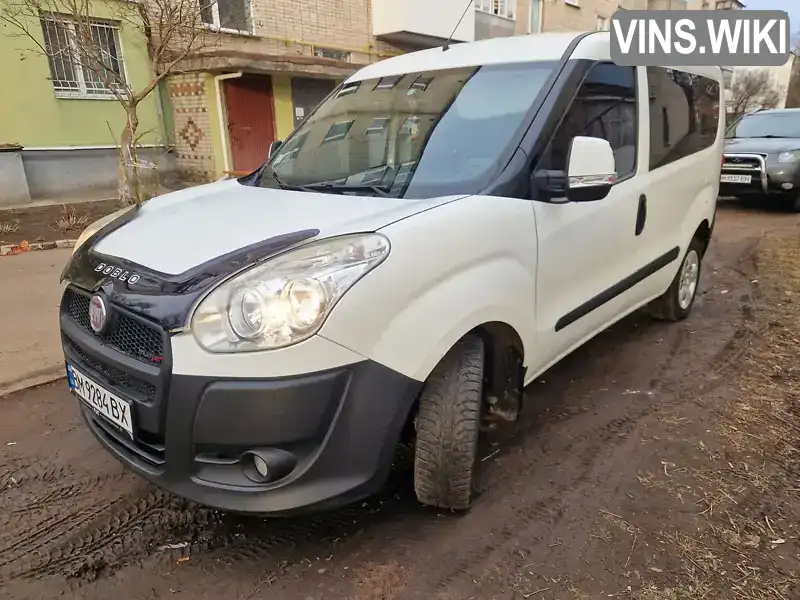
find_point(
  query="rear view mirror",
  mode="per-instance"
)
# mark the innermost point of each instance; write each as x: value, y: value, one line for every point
x: 591, y: 169
x: 273, y: 148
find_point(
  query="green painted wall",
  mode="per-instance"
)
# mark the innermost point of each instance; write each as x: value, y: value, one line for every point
x: 31, y: 115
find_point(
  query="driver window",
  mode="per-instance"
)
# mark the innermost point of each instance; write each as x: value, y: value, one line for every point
x: 604, y: 107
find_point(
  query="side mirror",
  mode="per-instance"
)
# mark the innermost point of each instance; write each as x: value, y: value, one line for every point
x: 273, y: 148
x: 591, y: 169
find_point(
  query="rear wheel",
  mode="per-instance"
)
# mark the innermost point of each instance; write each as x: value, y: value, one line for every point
x: 447, y: 427
x: 677, y: 301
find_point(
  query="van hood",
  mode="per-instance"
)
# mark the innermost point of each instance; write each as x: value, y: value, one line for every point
x: 157, y: 260
x: 181, y: 230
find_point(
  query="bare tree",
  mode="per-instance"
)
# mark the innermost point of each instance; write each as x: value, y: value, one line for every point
x: 70, y: 34
x: 793, y: 96
x: 753, y: 89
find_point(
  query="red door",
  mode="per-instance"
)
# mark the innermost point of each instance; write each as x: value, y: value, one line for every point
x: 251, y: 120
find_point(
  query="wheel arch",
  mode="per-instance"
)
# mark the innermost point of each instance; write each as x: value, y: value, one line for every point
x: 703, y: 233
x: 503, y: 371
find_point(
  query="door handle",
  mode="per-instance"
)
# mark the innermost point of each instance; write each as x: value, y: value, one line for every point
x: 641, y: 214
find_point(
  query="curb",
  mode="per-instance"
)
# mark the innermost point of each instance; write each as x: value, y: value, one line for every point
x: 31, y: 381
x: 23, y: 247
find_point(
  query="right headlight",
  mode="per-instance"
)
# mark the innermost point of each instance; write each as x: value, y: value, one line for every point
x: 286, y: 299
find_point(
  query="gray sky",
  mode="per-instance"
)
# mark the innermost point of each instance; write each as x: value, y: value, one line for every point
x: 790, y: 6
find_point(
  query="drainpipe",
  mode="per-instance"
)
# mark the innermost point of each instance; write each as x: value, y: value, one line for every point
x: 226, y: 161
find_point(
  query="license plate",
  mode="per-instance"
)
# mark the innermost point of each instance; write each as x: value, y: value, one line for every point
x: 100, y: 400
x: 736, y: 178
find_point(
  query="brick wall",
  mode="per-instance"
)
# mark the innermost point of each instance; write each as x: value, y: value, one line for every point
x: 194, y: 152
x: 560, y: 16
x: 345, y: 24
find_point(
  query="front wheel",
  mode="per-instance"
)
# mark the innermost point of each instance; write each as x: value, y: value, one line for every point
x: 447, y: 427
x: 677, y: 301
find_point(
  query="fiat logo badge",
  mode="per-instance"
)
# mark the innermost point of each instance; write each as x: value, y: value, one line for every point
x: 98, y: 313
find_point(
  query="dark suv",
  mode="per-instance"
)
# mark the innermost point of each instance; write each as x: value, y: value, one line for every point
x: 762, y: 158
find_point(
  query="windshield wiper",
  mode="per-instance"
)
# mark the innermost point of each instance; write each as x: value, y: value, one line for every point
x: 770, y: 136
x: 288, y: 186
x: 382, y: 190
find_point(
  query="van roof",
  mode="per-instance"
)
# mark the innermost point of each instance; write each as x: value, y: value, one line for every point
x: 505, y: 50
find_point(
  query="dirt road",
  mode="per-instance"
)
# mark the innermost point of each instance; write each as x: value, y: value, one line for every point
x: 30, y: 345
x: 604, y: 488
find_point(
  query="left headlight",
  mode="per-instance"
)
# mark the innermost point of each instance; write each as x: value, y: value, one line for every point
x: 792, y: 156
x: 286, y: 299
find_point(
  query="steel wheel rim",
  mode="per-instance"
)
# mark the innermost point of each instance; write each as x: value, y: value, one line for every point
x: 690, y: 272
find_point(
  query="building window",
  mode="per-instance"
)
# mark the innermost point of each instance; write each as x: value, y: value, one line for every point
x: 377, y: 126
x: 387, y: 83
x: 603, y: 23
x: 421, y: 83
x: 83, y: 68
x: 410, y: 127
x: 349, y: 89
x: 338, y: 131
x: 501, y: 8
x: 227, y: 15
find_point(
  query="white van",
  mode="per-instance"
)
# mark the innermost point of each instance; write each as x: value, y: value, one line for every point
x: 443, y: 228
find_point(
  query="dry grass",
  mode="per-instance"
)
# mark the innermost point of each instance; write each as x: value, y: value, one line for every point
x: 7, y: 227
x: 737, y: 531
x: 70, y: 221
x: 745, y: 546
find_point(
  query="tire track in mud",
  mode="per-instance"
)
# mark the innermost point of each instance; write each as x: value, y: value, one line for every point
x: 512, y: 511
x: 604, y: 440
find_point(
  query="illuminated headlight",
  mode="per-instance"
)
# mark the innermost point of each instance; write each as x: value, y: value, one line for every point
x: 286, y: 299
x: 786, y: 157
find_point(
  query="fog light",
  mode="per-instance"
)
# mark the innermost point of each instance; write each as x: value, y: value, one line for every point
x: 265, y: 465
x: 261, y: 466
x: 787, y: 185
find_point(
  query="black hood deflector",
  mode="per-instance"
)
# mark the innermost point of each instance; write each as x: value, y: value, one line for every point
x: 164, y: 298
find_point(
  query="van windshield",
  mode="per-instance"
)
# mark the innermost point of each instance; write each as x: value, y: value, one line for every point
x: 417, y: 135
x: 767, y: 125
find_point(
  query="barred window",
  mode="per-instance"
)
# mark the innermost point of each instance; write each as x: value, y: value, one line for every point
x: 233, y: 15
x: 77, y: 77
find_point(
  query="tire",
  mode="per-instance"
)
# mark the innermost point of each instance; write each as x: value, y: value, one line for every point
x: 792, y: 204
x: 673, y: 306
x: 447, y: 426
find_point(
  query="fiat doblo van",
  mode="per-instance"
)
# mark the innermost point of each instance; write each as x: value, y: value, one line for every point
x: 440, y: 230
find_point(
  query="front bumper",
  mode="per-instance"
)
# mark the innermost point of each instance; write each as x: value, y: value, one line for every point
x: 769, y: 177
x: 337, y: 428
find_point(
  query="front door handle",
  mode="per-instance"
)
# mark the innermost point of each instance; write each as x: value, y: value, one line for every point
x: 641, y: 214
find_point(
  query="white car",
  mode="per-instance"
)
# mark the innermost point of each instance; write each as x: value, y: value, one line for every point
x: 443, y: 228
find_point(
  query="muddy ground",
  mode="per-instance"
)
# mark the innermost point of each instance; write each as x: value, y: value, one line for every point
x: 51, y: 223
x: 659, y: 462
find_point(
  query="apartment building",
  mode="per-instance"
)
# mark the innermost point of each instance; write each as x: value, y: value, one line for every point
x: 589, y: 15
x: 275, y: 60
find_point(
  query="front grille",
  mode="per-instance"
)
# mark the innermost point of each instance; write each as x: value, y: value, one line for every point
x: 146, y: 448
x: 742, y: 162
x: 126, y: 334
x: 123, y: 382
